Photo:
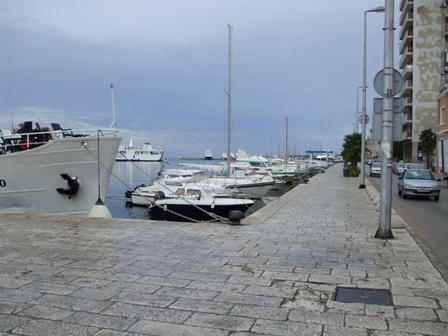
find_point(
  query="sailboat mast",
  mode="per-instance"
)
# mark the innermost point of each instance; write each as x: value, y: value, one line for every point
x: 114, y: 123
x: 229, y: 96
x: 286, y: 154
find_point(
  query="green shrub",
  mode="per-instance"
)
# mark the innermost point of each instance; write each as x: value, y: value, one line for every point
x: 354, y: 171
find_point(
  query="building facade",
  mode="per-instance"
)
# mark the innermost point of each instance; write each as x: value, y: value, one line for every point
x: 442, y: 132
x: 423, y: 66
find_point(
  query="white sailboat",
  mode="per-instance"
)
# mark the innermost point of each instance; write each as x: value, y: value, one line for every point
x: 234, y: 177
x: 207, y: 204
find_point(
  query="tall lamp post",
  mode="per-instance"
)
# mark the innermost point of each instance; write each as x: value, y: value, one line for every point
x: 357, y: 109
x: 362, y: 184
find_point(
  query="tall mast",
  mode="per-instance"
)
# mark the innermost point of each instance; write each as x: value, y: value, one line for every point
x: 229, y: 96
x: 114, y: 124
x: 286, y: 154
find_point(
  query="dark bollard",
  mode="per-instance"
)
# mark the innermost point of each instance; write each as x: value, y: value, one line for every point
x: 235, y: 217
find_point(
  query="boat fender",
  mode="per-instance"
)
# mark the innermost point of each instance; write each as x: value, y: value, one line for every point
x: 148, y: 211
x: 159, y: 195
x: 25, y: 144
x: 73, y: 186
x: 128, y: 193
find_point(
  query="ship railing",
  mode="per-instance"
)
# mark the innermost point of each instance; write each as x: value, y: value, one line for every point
x: 14, y: 142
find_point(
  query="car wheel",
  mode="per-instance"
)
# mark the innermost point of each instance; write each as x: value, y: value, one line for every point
x: 399, y: 192
x: 436, y: 198
x: 404, y: 195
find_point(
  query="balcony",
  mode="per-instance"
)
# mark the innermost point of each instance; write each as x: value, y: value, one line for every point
x: 407, y: 72
x: 406, y: 57
x: 406, y: 91
x: 406, y: 135
x: 406, y: 5
x: 405, y: 44
x: 407, y: 102
x: 407, y: 118
x: 406, y: 36
x: 406, y: 21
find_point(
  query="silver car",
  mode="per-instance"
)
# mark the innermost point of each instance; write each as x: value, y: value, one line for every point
x: 375, y: 169
x: 418, y: 182
x: 399, y: 168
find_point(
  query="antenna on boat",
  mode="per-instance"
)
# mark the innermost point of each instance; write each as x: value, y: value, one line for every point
x: 99, y: 209
x: 114, y: 123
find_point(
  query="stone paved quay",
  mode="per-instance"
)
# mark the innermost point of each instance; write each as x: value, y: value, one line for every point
x: 277, y: 274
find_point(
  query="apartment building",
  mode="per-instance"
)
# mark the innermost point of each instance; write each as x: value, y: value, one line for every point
x: 442, y: 107
x: 424, y: 67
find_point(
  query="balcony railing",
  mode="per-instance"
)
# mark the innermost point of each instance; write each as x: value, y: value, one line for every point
x: 406, y: 135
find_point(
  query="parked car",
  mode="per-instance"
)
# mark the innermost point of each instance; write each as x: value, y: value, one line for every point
x: 399, y: 167
x: 415, y: 166
x: 418, y: 182
x: 375, y: 169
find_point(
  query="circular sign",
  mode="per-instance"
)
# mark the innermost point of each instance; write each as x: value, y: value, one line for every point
x: 397, y: 84
x: 366, y: 119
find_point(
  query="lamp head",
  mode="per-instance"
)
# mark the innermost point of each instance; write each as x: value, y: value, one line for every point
x: 378, y: 9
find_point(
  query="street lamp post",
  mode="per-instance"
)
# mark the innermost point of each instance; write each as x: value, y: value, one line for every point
x: 362, y: 184
x: 357, y: 109
x: 384, y: 228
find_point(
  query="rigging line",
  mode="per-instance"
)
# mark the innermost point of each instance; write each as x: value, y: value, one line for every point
x: 110, y: 171
x: 211, y: 65
x: 250, y: 93
x: 211, y: 214
x: 151, y: 179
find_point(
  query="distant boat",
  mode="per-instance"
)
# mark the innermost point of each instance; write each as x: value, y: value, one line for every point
x: 208, y: 155
x: 58, y: 171
x: 135, y: 153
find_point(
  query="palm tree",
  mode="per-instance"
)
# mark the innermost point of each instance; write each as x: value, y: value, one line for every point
x: 428, y: 143
x: 351, y: 151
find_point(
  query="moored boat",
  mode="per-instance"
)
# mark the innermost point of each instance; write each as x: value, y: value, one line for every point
x: 197, y: 204
x: 58, y: 171
x: 167, y: 182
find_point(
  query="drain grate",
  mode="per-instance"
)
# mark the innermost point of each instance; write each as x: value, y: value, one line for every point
x: 366, y: 295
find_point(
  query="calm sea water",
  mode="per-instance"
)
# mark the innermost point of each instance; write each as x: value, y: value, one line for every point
x: 128, y: 175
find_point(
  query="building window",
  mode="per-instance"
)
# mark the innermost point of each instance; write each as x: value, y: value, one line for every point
x: 442, y: 116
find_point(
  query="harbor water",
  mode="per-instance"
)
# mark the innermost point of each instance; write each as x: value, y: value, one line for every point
x: 127, y: 175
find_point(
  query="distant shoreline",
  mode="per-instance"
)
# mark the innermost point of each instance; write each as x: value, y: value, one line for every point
x: 192, y: 158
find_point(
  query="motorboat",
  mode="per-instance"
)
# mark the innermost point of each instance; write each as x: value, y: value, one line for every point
x: 241, y: 179
x: 55, y: 170
x: 284, y: 172
x: 168, y: 182
x: 194, y: 203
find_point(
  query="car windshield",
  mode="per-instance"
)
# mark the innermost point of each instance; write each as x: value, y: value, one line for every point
x: 417, y: 166
x: 419, y: 175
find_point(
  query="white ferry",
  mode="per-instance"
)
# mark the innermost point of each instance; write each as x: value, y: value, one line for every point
x: 135, y: 153
x: 208, y: 155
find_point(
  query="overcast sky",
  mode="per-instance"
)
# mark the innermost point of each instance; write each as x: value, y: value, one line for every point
x: 167, y: 59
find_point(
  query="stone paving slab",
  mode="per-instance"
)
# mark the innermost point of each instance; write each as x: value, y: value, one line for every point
x: 276, y: 274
